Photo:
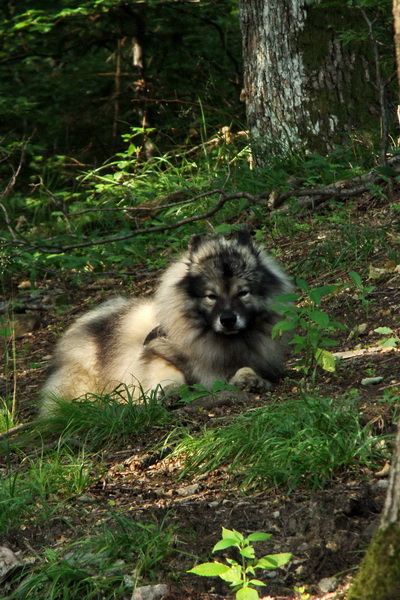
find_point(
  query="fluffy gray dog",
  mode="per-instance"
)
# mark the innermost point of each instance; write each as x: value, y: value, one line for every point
x: 209, y: 320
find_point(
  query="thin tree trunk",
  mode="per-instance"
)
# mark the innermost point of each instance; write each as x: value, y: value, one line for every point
x: 379, y: 574
x: 117, y: 86
x: 396, y: 15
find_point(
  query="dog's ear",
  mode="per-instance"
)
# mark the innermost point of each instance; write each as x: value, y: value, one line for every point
x: 244, y: 238
x: 195, y: 242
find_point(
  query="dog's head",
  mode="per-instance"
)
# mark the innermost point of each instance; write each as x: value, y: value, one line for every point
x: 230, y: 282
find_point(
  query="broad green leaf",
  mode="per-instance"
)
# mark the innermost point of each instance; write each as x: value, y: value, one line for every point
x: 273, y: 561
x: 232, y: 534
x: 383, y: 330
x: 232, y: 575
x: 320, y: 317
x: 247, y: 594
x: 356, y: 279
x: 390, y: 343
x: 326, y: 360
x: 225, y: 543
x: 258, y: 536
x: 388, y: 171
x: 248, y: 552
x: 284, y: 298
x: 211, y: 569
x: 314, y: 337
x: 302, y: 284
x: 298, y: 339
x: 257, y: 582
x: 317, y: 294
x: 281, y: 327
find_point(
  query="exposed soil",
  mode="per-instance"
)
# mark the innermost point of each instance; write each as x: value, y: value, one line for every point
x: 327, y: 530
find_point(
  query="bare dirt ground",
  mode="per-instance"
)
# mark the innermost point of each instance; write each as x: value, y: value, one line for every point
x: 327, y: 531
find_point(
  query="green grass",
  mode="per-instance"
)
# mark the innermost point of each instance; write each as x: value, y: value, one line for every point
x: 101, y: 421
x: 302, y: 441
x: 6, y: 420
x: 39, y: 487
x: 107, y: 565
x: 348, y: 246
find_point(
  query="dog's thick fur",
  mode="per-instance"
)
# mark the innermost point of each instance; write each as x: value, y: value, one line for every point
x: 210, y: 319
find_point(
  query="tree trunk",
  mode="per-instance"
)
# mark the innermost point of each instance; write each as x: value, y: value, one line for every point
x: 379, y: 574
x: 303, y: 87
x: 396, y: 15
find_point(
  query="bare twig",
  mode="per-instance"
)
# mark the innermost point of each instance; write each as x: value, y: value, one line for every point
x: 17, y: 171
x: 145, y: 230
x: 340, y: 190
x: 307, y: 198
x: 140, y: 208
x: 16, y: 429
x: 381, y: 85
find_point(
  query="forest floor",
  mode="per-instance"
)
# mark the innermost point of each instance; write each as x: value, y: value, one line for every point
x: 326, y: 530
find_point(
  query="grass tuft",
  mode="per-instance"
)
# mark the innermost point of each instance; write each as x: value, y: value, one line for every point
x: 102, y: 421
x: 301, y: 441
x: 107, y: 565
x: 37, y: 488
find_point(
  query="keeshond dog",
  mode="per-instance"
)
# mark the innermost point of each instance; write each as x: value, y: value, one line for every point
x: 209, y: 320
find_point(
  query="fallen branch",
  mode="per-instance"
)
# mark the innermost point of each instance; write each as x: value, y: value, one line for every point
x: 307, y: 198
x: 341, y: 190
x: 144, y: 230
x: 16, y: 429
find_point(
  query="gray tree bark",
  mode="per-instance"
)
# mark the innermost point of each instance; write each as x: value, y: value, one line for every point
x: 379, y: 574
x: 303, y: 87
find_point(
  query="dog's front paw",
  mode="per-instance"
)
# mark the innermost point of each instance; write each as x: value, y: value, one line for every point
x: 247, y: 379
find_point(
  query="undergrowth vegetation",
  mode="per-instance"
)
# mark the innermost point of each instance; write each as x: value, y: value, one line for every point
x: 303, y: 440
x: 105, y: 223
x: 103, y: 421
x: 38, y: 488
x: 109, y: 165
x: 106, y: 565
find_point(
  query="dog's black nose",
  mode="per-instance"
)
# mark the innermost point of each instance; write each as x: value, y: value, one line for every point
x: 228, y: 319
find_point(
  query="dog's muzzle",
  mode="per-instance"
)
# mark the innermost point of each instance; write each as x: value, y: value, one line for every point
x: 229, y: 322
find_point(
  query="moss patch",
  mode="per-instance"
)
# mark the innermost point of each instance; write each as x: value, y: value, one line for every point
x: 379, y: 574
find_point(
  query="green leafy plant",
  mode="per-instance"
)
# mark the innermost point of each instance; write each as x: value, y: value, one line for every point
x: 194, y: 392
x: 391, y: 340
x: 313, y: 325
x: 240, y: 575
x: 362, y: 291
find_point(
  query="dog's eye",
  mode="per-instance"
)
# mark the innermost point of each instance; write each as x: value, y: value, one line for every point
x: 211, y: 296
x: 243, y: 293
